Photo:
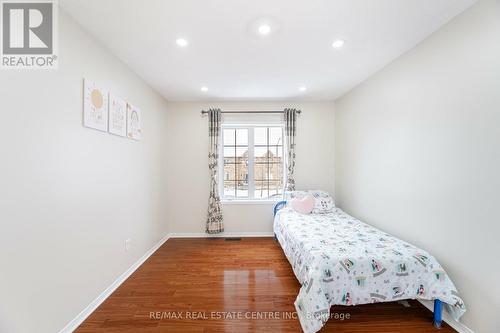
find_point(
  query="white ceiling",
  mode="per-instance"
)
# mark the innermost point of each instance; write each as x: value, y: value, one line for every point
x: 226, y: 54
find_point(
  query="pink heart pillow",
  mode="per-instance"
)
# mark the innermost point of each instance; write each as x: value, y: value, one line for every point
x: 303, y: 205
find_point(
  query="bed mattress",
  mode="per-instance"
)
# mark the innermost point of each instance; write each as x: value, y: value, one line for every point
x: 340, y: 260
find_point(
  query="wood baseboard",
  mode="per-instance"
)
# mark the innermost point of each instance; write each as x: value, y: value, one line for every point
x: 221, y: 235
x: 73, y: 324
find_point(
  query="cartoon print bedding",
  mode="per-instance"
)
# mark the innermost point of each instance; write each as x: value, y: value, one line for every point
x: 340, y: 260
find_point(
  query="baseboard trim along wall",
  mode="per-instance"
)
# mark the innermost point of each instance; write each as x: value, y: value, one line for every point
x: 456, y: 325
x: 73, y: 325
x: 221, y: 235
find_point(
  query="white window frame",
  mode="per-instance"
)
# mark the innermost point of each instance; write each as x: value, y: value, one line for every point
x: 251, y: 161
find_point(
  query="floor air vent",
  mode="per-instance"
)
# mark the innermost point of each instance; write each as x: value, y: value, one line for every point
x: 233, y: 238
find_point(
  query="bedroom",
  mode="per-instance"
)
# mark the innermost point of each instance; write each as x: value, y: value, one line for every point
x: 387, y: 112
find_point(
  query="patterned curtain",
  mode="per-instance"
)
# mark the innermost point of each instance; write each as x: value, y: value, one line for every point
x: 290, y: 133
x: 215, y: 223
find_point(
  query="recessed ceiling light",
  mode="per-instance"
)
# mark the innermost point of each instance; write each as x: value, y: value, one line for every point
x: 338, y: 44
x: 264, y: 29
x: 204, y: 89
x: 181, y: 42
x: 303, y: 88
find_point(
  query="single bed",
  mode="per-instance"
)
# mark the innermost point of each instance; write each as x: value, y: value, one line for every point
x: 340, y: 260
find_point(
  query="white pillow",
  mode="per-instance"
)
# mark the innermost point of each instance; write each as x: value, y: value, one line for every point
x: 323, y: 202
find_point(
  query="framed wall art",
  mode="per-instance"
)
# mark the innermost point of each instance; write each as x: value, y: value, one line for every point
x: 95, y: 106
x: 134, y: 127
x: 117, y: 116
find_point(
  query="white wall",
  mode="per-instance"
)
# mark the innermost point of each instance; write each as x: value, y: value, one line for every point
x: 418, y: 154
x: 188, y: 179
x: 69, y: 195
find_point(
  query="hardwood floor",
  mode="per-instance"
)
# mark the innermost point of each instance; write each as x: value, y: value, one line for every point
x: 187, y: 285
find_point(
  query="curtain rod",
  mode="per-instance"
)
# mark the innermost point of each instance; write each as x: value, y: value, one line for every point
x: 270, y: 111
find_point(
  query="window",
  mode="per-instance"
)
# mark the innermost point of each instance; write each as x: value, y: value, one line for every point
x: 252, y: 162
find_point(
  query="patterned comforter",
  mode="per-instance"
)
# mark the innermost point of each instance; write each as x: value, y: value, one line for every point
x: 340, y: 260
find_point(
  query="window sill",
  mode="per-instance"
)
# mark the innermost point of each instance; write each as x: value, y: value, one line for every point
x: 250, y: 202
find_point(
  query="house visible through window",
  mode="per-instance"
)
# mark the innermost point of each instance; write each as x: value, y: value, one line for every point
x: 252, y: 162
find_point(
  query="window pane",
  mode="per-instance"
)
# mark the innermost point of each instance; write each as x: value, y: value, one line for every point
x: 229, y: 152
x: 260, y: 171
x: 242, y: 189
x: 268, y: 172
x: 229, y: 189
x: 267, y: 164
x: 275, y: 172
x: 260, y: 136
x: 242, y: 137
x: 229, y: 136
x: 271, y: 155
x: 230, y: 172
x: 242, y: 152
x: 275, y: 153
x: 235, y: 174
x: 261, y: 154
x: 275, y: 188
x: 260, y: 190
x: 241, y: 169
x: 275, y: 136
